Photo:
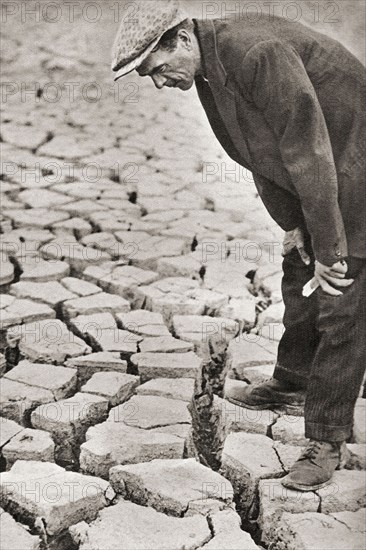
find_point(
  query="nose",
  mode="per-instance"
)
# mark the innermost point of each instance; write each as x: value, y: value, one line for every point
x: 159, y: 81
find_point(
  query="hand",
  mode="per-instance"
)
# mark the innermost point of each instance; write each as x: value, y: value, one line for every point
x: 295, y: 238
x: 334, y: 275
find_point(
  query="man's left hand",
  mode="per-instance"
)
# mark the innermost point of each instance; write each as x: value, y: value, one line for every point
x: 334, y: 275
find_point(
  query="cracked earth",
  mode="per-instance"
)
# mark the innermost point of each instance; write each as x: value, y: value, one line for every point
x: 140, y: 277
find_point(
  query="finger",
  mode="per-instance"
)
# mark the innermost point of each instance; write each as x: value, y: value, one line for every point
x: 336, y: 274
x: 340, y: 267
x: 329, y: 289
x: 338, y: 282
x: 314, y: 282
x: 304, y: 256
x: 287, y: 247
x: 299, y: 239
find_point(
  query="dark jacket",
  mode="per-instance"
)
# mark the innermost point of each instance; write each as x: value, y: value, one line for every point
x: 288, y: 103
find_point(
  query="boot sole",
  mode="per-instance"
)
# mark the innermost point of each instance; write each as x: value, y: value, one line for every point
x: 304, y: 488
x: 291, y: 408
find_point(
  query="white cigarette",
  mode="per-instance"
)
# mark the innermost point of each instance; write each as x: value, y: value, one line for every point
x: 310, y: 287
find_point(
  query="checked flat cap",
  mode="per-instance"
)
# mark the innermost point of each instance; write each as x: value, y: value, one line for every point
x: 141, y: 30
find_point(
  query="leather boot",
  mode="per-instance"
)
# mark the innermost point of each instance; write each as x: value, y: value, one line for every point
x: 267, y: 395
x: 315, y: 467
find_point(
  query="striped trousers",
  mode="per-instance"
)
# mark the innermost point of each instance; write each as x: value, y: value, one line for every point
x: 323, y: 348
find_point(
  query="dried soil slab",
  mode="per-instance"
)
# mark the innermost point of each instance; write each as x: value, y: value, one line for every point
x: 78, y: 256
x: 129, y: 239
x: 41, y: 218
x: 67, y: 147
x: 83, y: 208
x: 29, y: 445
x: 2, y: 363
x: 179, y: 430
x: 167, y: 365
x: 165, y: 344
x: 70, y: 418
x: 49, y: 341
x: 96, y: 321
x: 170, y: 486
x: 51, y: 293
x: 273, y: 314
x: 113, y: 339
x: 61, y: 381
x: 205, y: 332
x: 170, y: 297
x: 346, y: 492
x: 80, y: 287
x: 131, y: 526
x: 73, y: 226
x: 44, y: 490
x: 14, y: 536
x: 172, y: 388
x: 24, y: 311
x: 248, y: 351
x: 20, y: 242
x: 149, y: 251
x: 180, y: 266
x: 8, y: 429
x: 114, y: 155
x: 247, y: 458
x: 101, y: 361
x: 240, y: 419
x: 43, y: 198
x: 288, y: 454
x: 35, y: 269
x: 143, y: 322
x: 242, y: 310
x: 311, y: 530
x: 359, y: 424
x: 358, y: 456
x: 150, y: 411
x: 226, y: 527
x: 6, y: 271
x: 27, y: 137
x: 275, y: 499
x: 6, y: 300
x: 290, y: 430
x: 125, y: 279
x: 18, y: 400
x: 31, y: 180
x: 115, y: 386
x: 103, y: 241
x: 98, y: 303
x: 112, y: 443
x: 225, y: 275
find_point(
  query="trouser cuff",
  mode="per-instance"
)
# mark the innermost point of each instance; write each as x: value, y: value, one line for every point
x: 323, y: 432
x: 290, y: 377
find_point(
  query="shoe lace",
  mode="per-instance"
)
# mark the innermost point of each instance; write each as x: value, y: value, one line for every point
x: 311, y: 451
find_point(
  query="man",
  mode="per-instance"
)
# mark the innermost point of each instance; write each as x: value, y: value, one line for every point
x: 288, y: 104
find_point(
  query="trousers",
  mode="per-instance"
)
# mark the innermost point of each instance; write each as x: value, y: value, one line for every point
x: 323, y: 347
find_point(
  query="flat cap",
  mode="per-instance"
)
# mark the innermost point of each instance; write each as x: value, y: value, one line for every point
x: 141, y: 30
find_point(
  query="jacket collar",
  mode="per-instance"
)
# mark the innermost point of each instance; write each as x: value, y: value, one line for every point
x: 213, y: 68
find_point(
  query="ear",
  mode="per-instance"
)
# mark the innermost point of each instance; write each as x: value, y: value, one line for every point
x: 185, y: 38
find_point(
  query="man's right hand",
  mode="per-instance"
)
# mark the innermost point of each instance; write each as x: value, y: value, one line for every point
x: 295, y: 239
x: 334, y: 275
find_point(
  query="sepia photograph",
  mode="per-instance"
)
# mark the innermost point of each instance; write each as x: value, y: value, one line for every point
x: 183, y: 275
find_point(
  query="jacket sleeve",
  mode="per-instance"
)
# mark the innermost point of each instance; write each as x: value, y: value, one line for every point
x: 275, y: 79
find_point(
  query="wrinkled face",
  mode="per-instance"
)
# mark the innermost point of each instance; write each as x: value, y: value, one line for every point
x: 174, y: 69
